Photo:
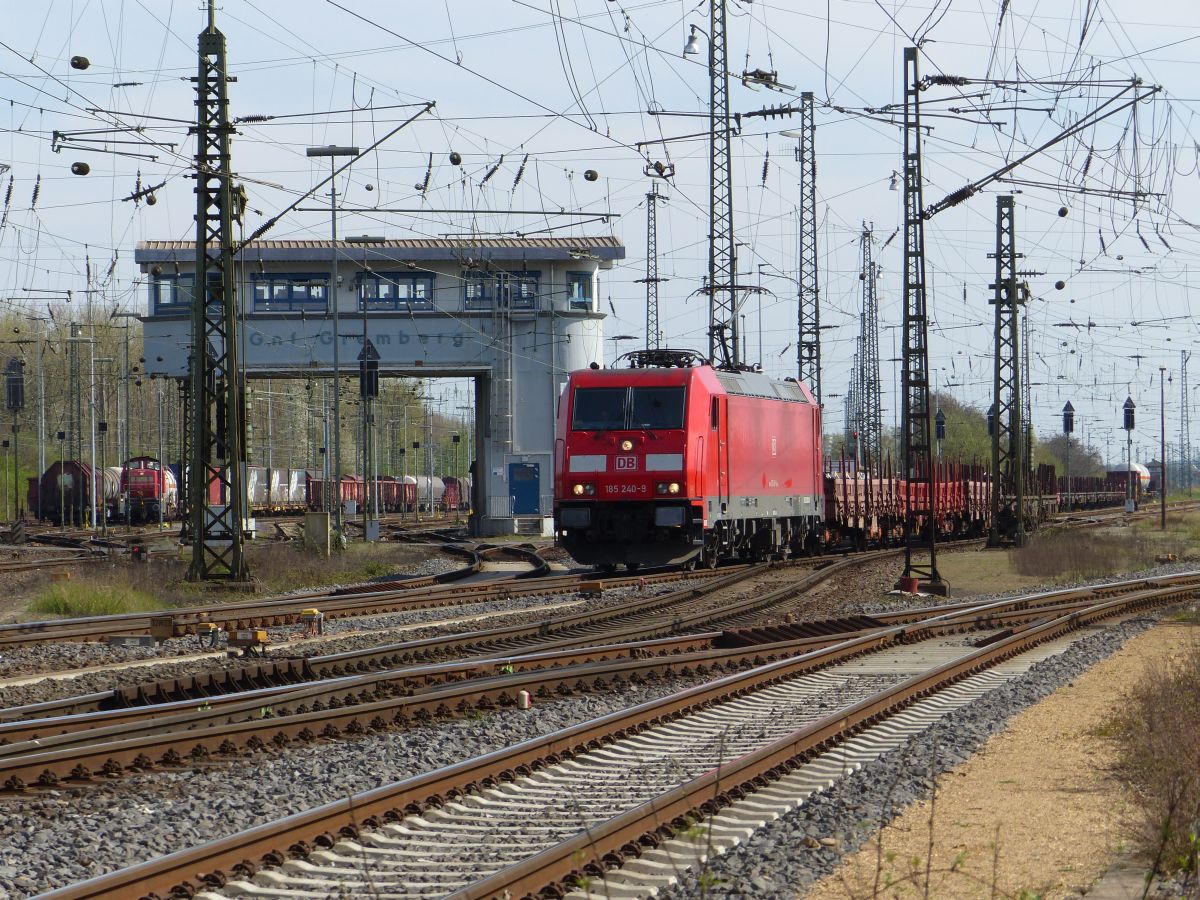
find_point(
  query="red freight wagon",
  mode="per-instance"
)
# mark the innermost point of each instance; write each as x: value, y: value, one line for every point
x: 673, y: 461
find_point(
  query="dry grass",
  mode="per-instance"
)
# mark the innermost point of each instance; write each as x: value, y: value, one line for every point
x: 1079, y: 555
x: 87, y: 598
x: 162, y: 583
x: 1157, y: 734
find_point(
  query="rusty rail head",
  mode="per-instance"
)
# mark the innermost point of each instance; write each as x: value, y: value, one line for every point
x: 192, y: 869
x: 588, y: 853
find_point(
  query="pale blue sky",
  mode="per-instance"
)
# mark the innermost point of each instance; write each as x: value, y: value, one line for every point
x: 501, y: 72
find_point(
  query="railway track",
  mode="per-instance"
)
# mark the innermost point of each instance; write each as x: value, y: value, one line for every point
x: 47, y: 743
x: 368, y: 599
x: 375, y: 600
x: 567, y: 809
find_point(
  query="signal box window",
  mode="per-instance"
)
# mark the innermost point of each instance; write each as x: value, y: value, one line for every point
x: 395, y: 291
x: 171, y: 294
x: 580, y: 291
x: 279, y: 292
x: 516, y: 290
x: 477, y: 290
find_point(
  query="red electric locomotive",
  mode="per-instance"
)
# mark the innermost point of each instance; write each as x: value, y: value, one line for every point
x: 672, y: 461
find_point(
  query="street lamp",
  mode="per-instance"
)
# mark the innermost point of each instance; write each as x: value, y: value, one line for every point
x: 333, y: 152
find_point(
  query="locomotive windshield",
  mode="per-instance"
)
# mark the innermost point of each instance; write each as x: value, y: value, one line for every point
x: 656, y: 407
x: 621, y: 409
x: 599, y: 409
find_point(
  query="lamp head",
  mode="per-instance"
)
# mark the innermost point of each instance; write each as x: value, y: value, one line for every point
x: 692, y: 47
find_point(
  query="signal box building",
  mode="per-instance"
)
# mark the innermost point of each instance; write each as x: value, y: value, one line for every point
x: 514, y: 314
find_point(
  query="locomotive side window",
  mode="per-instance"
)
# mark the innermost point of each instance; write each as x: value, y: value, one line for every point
x: 598, y: 409
x: 656, y: 407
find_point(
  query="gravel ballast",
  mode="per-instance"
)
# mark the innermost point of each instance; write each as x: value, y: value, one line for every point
x: 778, y: 861
x: 342, y: 635
x: 63, y: 836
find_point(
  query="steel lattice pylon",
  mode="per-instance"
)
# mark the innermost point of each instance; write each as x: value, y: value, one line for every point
x: 870, y: 425
x: 723, y: 345
x: 653, y: 330
x: 1026, y: 390
x: 853, y: 409
x: 920, y: 537
x: 215, y: 478
x: 1008, y: 438
x: 808, y: 338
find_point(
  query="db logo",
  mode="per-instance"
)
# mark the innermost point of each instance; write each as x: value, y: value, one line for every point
x: 626, y: 462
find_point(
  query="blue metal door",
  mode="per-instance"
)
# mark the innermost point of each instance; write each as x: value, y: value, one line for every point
x: 525, y: 488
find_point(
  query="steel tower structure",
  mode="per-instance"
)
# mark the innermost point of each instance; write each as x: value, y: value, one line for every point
x: 1008, y: 438
x: 808, y: 337
x: 852, y: 416
x: 653, y: 329
x: 870, y: 426
x: 723, y: 345
x: 920, y: 540
x: 215, y: 477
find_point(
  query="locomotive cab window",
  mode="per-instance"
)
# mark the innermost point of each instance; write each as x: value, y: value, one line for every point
x: 623, y: 409
x: 656, y: 407
x: 598, y: 409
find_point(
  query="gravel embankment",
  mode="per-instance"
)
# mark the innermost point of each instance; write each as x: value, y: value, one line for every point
x: 779, y: 860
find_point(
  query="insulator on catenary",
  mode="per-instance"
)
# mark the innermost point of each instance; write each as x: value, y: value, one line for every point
x: 1103, y: 246
x: 37, y: 189
x: 766, y: 166
x: 492, y: 171
x: 424, y: 185
x: 520, y: 172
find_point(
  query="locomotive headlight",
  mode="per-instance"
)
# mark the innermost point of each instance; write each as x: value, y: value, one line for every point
x: 577, y: 490
x: 580, y: 490
x: 660, y: 488
x: 626, y: 445
x: 673, y: 487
